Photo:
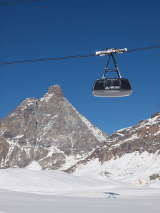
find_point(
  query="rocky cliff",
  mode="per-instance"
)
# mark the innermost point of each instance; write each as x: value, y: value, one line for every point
x: 141, y: 138
x: 48, y: 130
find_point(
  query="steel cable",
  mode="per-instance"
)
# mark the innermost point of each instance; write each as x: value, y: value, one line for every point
x: 35, y: 60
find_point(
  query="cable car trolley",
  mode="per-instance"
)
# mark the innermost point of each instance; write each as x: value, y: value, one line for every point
x: 111, y: 86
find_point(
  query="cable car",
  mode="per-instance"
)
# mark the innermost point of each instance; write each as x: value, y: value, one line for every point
x: 111, y: 87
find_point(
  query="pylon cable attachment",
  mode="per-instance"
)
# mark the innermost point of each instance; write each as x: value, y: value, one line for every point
x: 110, y: 51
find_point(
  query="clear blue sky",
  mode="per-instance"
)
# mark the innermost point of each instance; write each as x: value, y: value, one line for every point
x: 47, y: 28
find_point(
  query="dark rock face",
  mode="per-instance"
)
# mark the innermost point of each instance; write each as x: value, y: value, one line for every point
x: 48, y: 130
x: 145, y: 136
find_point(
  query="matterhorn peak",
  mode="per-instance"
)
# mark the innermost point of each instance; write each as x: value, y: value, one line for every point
x: 49, y: 131
x: 56, y: 90
x: 29, y: 101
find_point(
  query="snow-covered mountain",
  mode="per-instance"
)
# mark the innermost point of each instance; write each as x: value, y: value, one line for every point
x: 130, y: 169
x: 53, y: 133
x: 130, y: 154
x: 48, y: 130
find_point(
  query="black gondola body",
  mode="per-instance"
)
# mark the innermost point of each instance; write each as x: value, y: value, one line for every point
x: 111, y: 87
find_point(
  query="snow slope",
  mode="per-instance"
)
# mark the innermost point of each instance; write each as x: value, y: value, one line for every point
x: 91, y: 181
x: 132, y: 168
x: 35, y: 190
x: 34, y: 180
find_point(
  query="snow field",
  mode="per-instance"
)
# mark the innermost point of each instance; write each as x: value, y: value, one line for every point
x: 34, y: 190
x: 132, y: 169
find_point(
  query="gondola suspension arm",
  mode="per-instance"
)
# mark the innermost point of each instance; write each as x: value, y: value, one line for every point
x: 110, y: 51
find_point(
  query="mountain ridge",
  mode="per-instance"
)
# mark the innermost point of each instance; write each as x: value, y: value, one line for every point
x: 47, y: 130
x: 50, y: 131
x: 142, y: 139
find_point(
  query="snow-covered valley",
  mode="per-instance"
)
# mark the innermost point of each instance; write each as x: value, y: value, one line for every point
x: 34, y: 190
x: 18, y: 202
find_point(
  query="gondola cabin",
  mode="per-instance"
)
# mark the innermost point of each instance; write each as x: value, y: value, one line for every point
x: 111, y: 87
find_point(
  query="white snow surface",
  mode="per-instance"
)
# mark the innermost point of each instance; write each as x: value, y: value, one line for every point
x: 18, y: 202
x: 132, y: 168
x: 47, y: 182
x: 35, y: 166
x: 34, y: 190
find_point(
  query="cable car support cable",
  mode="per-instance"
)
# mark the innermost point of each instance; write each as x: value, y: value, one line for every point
x: 98, y: 53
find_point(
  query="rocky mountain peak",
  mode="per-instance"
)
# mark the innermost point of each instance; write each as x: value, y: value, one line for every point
x: 56, y: 90
x: 28, y: 102
x: 48, y: 130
